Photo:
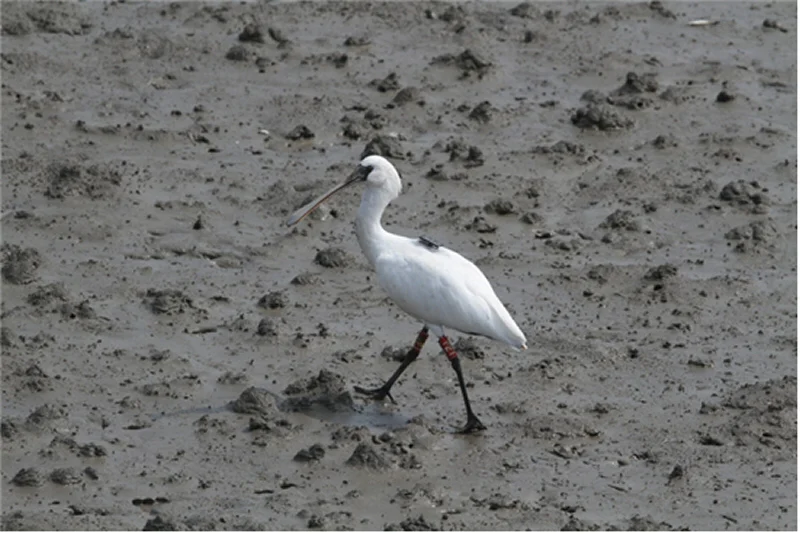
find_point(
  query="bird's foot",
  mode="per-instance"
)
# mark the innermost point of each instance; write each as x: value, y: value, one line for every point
x: 375, y: 393
x: 473, y: 425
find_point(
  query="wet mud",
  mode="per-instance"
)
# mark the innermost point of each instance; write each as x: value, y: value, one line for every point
x: 173, y: 357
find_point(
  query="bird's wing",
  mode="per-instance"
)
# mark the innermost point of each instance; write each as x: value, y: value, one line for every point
x: 441, y: 287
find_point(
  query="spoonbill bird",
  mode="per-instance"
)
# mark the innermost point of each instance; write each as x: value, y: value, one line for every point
x: 433, y: 284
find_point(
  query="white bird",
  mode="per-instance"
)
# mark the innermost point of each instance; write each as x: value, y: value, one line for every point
x: 433, y: 284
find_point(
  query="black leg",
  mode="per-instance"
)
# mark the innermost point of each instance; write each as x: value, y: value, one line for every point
x: 473, y: 423
x: 382, y: 392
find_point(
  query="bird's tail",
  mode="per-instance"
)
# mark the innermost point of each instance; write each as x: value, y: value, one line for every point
x: 509, y: 331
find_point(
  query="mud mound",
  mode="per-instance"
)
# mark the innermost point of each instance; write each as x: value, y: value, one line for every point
x: 748, y: 195
x: 74, y: 179
x: 468, y: 62
x: 255, y: 401
x: 621, y: 220
x: 384, y: 145
x: 367, y: 457
x: 20, y: 264
x: 154, y: 150
x: 326, y: 388
x: 333, y: 257
x: 762, y: 413
x: 20, y: 19
x: 773, y: 395
x: 600, y: 117
x: 756, y: 236
x: 167, y: 301
x: 45, y: 295
x: 28, y: 477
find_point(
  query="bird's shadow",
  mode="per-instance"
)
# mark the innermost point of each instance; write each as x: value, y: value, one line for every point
x: 330, y: 410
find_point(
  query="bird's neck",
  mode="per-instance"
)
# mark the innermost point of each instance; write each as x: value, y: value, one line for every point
x: 370, y: 233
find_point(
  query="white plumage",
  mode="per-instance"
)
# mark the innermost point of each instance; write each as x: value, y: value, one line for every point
x: 434, y: 284
x: 443, y: 289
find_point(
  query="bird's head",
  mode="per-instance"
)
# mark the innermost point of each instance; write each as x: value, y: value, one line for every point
x: 375, y: 171
x: 380, y: 174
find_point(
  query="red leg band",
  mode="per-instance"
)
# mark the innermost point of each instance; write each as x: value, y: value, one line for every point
x: 448, y: 349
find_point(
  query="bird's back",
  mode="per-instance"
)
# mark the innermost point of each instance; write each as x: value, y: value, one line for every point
x: 442, y: 288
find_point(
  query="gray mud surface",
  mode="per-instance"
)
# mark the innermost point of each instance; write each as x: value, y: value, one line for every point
x: 175, y: 357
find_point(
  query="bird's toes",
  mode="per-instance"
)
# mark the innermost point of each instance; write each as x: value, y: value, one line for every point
x: 473, y: 425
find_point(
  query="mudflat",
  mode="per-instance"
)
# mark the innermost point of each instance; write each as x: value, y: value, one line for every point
x: 175, y: 357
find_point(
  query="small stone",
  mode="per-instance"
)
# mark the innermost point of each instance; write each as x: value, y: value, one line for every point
x: 773, y: 24
x: 724, y: 97
x: 500, y: 207
x: 532, y: 218
x: 593, y: 96
x: 357, y: 41
x: 394, y: 354
x: 353, y: 131
x: 636, y: 84
x: 91, y: 473
x: 481, y: 225
x: 267, y: 327
x: 304, y: 279
x: 481, y: 112
x: 300, y: 132
x: 82, y: 311
x: 412, y: 524
x: 677, y: 472
x: 665, y: 141
x: 468, y: 61
x: 390, y: 83
x: 92, y: 450
x: 338, y: 59
x: 229, y: 377
x: 9, y: 429
x: 252, y: 34
x: 315, y: 521
x: 313, y: 454
x: 522, y: 10
x: 237, y: 53
x: 278, y: 36
x: 406, y: 95
x: 167, y: 301
x: 259, y: 423
x: 621, y: 220
x: 163, y: 523
x: 437, y: 173
x: 273, y: 300
x: 561, y: 147
x: 707, y: 439
x: 332, y: 257
x: 662, y: 272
